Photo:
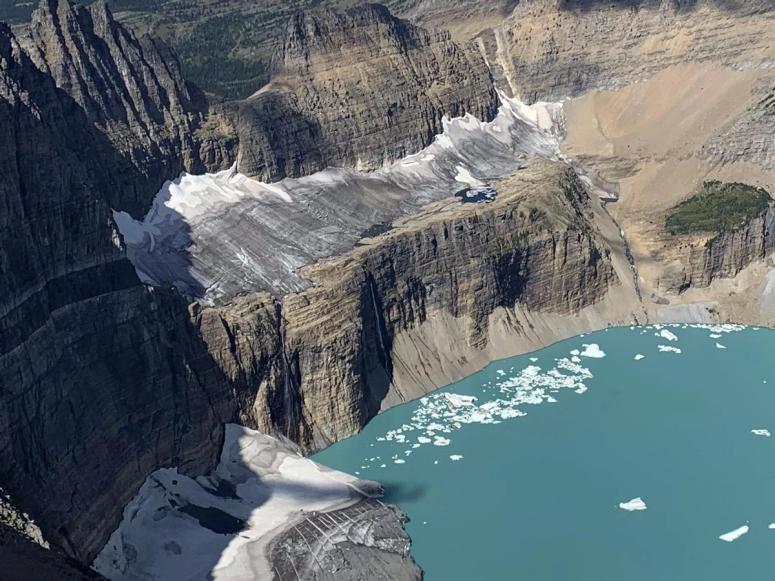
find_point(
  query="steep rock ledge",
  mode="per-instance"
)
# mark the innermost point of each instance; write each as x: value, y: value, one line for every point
x: 129, y: 87
x: 550, y: 49
x: 702, y: 259
x: 100, y: 378
x: 325, y: 360
x: 357, y: 88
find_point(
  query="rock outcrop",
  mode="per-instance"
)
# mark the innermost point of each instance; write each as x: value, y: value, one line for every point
x: 699, y: 260
x: 550, y: 49
x: 357, y: 89
x: 329, y: 362
x: 101, y: 379
x: 104, y: 380
x: 130, y: 87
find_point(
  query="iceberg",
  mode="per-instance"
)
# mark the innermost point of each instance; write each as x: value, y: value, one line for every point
x: 735, y: 534
x: 633, y: 504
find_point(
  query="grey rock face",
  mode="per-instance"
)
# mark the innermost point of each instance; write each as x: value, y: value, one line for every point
x: 129, y: 87
x: 357, y: 89
x: 95, y: 388
x: 363, y: 541
x: 21, y: 559
x: 550, y: 49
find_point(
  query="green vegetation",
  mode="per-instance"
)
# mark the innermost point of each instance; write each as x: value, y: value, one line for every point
x: 211, y: 59
x: 717, y: 207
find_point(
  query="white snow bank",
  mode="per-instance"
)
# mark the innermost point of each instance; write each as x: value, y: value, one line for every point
x: 272, y: 487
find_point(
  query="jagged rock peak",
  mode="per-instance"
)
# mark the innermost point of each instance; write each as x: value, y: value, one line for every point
x: 111, y: 73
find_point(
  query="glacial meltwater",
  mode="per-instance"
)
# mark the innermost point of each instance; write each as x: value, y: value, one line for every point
x: 632, y: 453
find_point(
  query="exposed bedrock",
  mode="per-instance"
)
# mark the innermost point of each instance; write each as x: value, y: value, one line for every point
x: 130, y: 88
x: 338, y: 353
x: 699, y: 260
x: 101, y: 379
x: 550, y: 49
x: 357, y: 88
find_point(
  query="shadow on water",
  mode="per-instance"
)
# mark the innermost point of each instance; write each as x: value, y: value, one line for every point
x: 398, y: 492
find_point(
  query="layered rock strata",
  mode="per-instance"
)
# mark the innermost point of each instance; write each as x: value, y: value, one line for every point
x: 129, y: 87
x: 549, y: 49
x: 333, y: 361
x: 101, y: 378
x: 357, y: 88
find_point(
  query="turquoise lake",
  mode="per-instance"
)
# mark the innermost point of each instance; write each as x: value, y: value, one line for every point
x: 526, y: 480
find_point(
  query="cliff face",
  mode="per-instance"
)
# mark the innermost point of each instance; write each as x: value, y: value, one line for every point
x: 326, y: 359
x: 101, y: 380
x: 357, y: 89
x: 129, y: 87
x: 699, y: 260
x: 550, y: 49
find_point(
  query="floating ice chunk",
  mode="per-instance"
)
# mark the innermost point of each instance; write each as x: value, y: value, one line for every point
x: 668, y: 349
x: 638, y: 357
x: 456, y: 457
x: 735, y: 534
x: 771, y: 526
x: 440, y: 441
x: 633, y: 504
x: 592, y: 350
x: 500, y: 372
x: 399, y: 461
x: 720, y: 346
x: 715, y: 336
x: 534, y: 359
x: 457, y: 400
x: 761, y: 432
x: 665, y: 334
x: 423, y: 440
x: 575, y: 352
x: 575, y: 359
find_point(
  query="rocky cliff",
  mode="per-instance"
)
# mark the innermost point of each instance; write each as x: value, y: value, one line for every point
x: 550, y: 49
x: 104, y: 380
x: 101, y: 379
x: 357, y: 88
x: 326, y: 359
x: 130, y: 87
x: 696, y: 261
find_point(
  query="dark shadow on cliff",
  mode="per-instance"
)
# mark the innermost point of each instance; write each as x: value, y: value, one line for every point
x: 102, y: 380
